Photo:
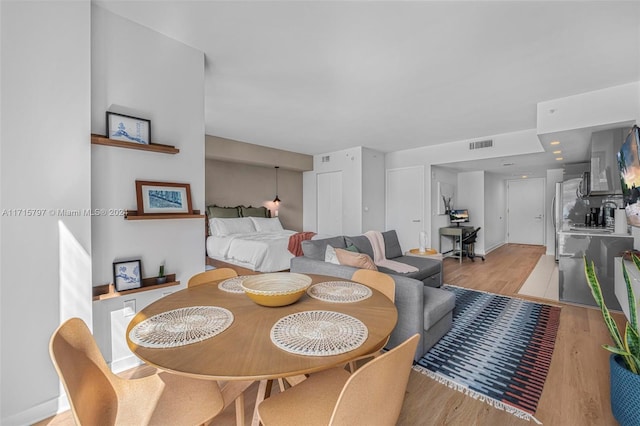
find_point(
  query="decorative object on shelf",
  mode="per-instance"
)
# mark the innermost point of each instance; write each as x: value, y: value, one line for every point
x: 127, y: 274
x: 161, y: 278
x: 163, y: 197
x: 446, y: 191
x: 276, y: 200
x: 127, y: 128
x: 625, y: 360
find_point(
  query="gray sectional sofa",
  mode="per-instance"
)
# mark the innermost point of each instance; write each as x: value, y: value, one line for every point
x: 422, y: 307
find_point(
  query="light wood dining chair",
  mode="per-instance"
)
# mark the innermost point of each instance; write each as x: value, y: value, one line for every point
x: 373, y: 395
x: 384, y: 284
x: 212, y: 275
x: 98, y: 396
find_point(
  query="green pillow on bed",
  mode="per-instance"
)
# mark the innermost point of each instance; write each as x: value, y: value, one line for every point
x: 254, y: 211
x: 224, y: 212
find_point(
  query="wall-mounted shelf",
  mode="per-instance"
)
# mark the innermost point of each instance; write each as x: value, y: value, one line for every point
x: 108, y: 291
x: 133, y: 215
x: 154, y: 147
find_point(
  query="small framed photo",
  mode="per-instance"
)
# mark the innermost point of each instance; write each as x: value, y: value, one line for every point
x: 129, y: 129
x: 163, y: 197
x: 127, y: 275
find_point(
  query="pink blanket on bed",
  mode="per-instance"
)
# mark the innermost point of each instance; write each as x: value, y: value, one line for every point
x: 379, y: 258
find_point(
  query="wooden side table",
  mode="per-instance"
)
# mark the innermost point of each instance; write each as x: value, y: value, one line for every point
x: 430, y: 253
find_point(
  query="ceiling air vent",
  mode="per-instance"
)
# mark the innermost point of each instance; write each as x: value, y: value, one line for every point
x: 326, y: 158
x: 481, y: 144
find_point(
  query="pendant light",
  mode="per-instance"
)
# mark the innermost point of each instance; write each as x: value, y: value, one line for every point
x: 277, y: 200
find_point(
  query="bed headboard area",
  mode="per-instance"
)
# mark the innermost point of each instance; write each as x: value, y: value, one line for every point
x: 237, y: 211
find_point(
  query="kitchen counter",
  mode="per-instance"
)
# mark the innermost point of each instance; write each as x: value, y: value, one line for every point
x: 600, y: 232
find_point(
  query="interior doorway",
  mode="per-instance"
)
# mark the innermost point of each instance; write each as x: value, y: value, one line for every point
x: 525, y: 211
x: 405, y: 204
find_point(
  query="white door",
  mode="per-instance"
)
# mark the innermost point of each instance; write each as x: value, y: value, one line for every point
x: 329, y: 202
x: 405, y: 204
x: 525, y: 211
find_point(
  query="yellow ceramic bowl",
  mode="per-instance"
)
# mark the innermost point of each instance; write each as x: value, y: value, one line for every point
x: 276, y: 289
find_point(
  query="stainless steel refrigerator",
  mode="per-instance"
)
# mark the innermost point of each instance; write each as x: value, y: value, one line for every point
x: 568, y: 208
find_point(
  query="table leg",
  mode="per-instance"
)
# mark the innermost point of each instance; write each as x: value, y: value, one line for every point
x: 234, y: 391
x: 264, y: 391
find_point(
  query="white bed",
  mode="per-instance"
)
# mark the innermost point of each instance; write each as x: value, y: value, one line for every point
x: 259, y: 244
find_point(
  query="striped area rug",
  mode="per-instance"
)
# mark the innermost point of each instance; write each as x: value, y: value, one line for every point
x: 498, y: 350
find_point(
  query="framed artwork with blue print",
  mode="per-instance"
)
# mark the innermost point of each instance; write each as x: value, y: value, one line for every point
x: 127, y: 128
x: 127, y: 275
x: 163, y: 197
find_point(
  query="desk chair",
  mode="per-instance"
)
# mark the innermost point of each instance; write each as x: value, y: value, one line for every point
x: 373, y: 395
x: 468, y: 244
x: 98, y: 396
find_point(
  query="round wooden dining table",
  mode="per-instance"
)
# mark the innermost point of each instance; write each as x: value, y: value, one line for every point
x: 244, y: 351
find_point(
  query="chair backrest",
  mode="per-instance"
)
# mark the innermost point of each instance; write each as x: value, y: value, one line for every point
x: 212, y: 275
x: 374, y: 394
x: 378, y: 280
x: 87, y: 379
x: 471, y: 236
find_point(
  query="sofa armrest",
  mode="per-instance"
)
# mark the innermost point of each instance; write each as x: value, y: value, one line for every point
x: 410, y: 304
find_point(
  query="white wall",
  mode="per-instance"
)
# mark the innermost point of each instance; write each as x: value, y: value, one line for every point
x: 373, y: 197
x: 494, y: 229
x: 439, y: 174
x: 349, y: 161
x: 145, y: 74
x: 471, y: 196
x: 45, y: 268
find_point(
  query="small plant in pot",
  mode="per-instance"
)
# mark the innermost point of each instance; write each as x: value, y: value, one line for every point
x: 161, y: 278
x: 625, y: 359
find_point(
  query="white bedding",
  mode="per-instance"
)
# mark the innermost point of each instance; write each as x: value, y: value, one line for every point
x: 259, y: 251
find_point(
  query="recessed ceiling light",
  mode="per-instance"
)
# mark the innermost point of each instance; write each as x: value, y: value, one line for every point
x: 555, y: 143
x: 524, y: 176
x: 559, y: 158
x: 557, y: 152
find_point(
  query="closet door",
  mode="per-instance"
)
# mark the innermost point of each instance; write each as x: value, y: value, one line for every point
x: 329, y: 203
x: 405, y: 204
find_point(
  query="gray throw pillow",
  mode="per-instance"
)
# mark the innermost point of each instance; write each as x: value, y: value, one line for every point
x: 315, y: 249
x: 391, y: 244
x: 362, y: 244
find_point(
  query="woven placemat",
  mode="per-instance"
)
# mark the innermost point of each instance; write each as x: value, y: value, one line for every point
x: 318, y: 333
x: 339, y: 292
x: 181, y: 327
x: 233, y: 285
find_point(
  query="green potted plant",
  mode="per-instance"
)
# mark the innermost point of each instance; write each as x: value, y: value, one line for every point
x: 625, y: 359
x: 161, y: 278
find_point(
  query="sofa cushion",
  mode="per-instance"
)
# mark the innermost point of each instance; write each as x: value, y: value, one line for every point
x: 357, y: 260
x: 437, y: 303
x: 426, y: 267
x: 391, y: 244
x: 315, y: 249
x: 362, y: 244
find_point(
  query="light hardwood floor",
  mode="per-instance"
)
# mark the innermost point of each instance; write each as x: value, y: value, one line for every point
x: 577, y: 388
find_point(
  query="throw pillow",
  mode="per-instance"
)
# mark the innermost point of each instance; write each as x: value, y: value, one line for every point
x: 391, y: 244
x: 358, y: 260
x: 330, y: 255
x: 264, y: 224
x: 352, y: 248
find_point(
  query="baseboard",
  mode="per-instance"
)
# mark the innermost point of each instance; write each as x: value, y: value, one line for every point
x: 125, y: 363
x: 38, y: 413
x: 492, y: 248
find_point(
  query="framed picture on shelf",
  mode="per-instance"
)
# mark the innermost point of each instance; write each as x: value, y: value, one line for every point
x: 127, y: 128
x: 127, y: 275
x: 163, y: 197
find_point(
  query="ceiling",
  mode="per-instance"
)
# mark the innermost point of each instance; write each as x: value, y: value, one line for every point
x: 316, y: 76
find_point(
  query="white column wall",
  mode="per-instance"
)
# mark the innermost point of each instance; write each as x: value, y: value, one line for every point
x: 145, y: 74
x: 45, y: 160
